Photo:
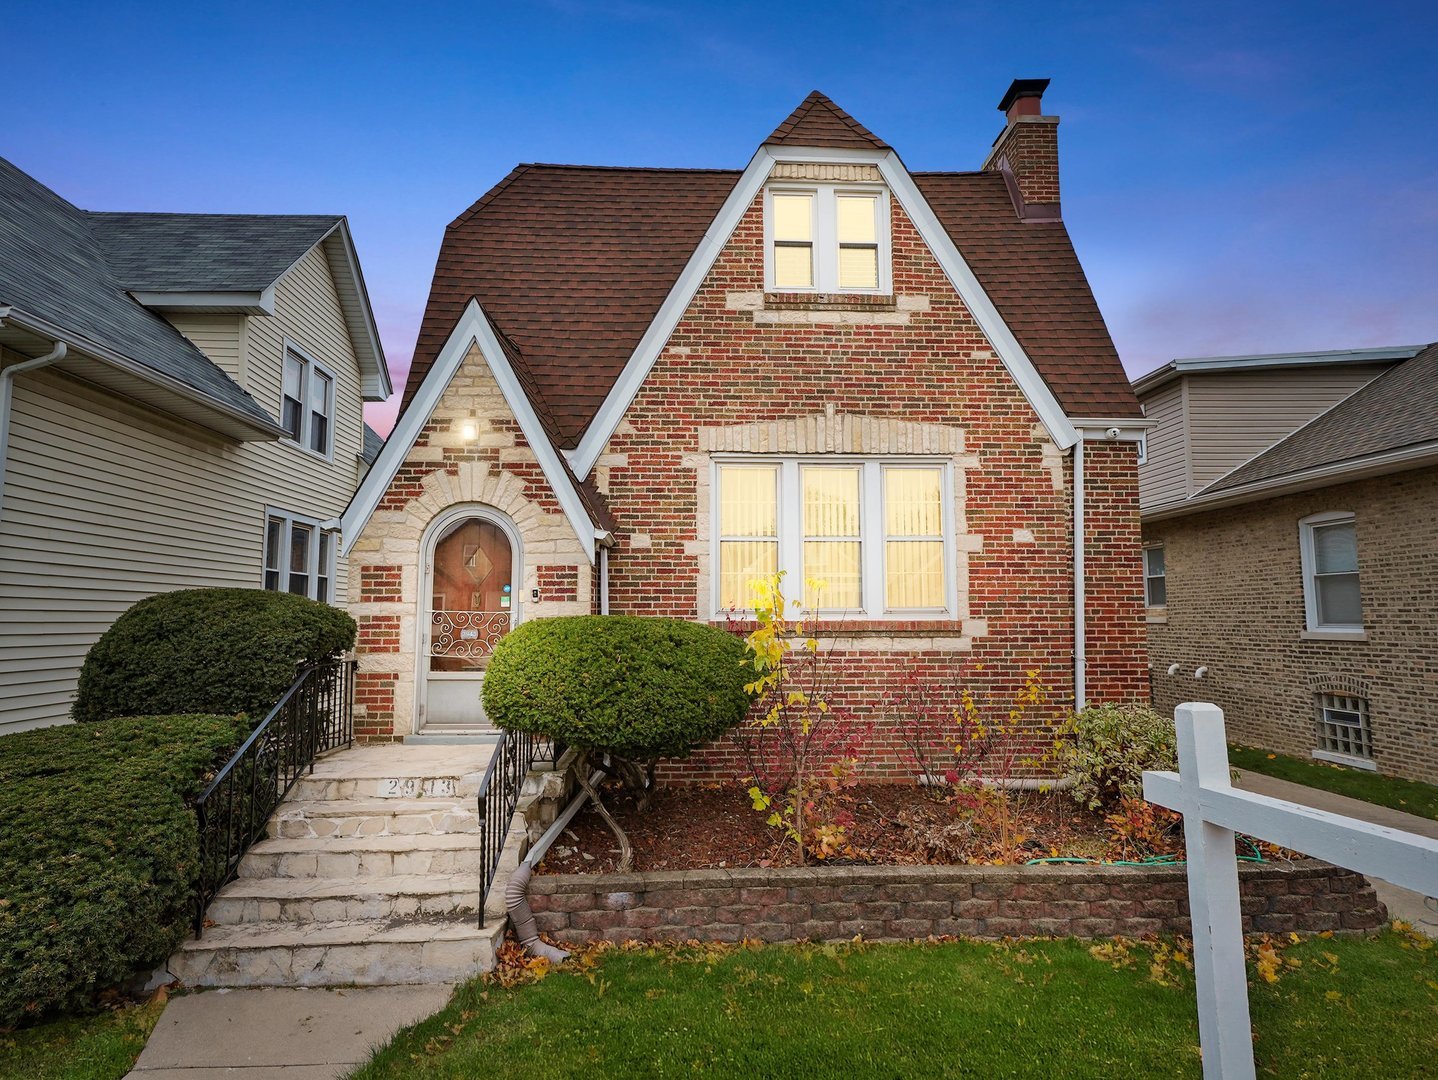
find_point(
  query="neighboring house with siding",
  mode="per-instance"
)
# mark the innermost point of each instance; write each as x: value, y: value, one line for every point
x: 640, y: 390
x: 1290, y: 509
x: 182, y: 407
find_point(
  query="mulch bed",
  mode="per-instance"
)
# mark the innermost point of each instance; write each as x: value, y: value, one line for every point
x: 698, y: 828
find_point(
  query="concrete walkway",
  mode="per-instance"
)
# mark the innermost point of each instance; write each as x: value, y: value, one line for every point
x: 1402, y: 904
x: 286, y: 1034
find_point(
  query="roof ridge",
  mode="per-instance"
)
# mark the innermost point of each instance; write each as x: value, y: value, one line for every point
x: 627, y: 168
x: 803, y: 119
x: 489, y: 196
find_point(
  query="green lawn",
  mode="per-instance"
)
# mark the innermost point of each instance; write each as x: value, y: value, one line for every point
x: 1040, y: 1009
x: 1410, y: 796
x: 102, y: 1046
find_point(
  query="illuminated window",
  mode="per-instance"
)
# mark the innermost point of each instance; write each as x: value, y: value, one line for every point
x: 865, y: 538
x: 828, y: 239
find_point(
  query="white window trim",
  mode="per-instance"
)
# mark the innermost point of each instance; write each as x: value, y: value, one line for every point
x: 871, y: 532
x: 1147, y: 602
x: 1309, y: 561
x: 825, y: 236
x: 306, y: 407
x: 289, y: 520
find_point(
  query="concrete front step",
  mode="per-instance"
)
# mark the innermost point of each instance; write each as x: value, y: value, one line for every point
x: 341, y: 818
x: 390, y: 771
x: 326, y: 900
x: 365, y: 856
x: 362, y: 953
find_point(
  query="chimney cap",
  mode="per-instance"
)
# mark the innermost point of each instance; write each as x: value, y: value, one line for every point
x: 1023, y: 88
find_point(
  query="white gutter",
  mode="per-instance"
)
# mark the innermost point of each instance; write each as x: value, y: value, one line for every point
x: 1080, y: 660
x: 604, y: 581
x: 7, y: 383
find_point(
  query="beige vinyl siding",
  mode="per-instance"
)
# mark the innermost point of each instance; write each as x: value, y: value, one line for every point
x: 218, y: 337
x: 1163, y: 477
x: 107, y: 502
x: 1234, y: 415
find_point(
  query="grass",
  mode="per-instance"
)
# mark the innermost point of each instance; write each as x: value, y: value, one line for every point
x: 100, y: 1046
x: 1410, y: 796
x: 1352, y: 1008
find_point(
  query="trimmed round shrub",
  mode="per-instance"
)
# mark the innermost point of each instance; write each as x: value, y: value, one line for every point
x: 1108, y: 747
x: 99, y: 853
x: 223, y: 651
x: 639, y: 688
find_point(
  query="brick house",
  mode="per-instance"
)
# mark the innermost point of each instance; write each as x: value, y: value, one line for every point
x: 1289, y: 513
x: 635, y: 390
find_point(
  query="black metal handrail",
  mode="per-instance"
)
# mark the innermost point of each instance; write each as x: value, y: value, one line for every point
x: 499, y: 792
x: 314, y: 715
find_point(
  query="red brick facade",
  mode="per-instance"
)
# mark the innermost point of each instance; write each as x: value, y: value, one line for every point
x: 746, y: 371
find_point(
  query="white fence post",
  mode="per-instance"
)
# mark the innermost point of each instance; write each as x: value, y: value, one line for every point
x: 1218, y: 967
x: 1212, y: 810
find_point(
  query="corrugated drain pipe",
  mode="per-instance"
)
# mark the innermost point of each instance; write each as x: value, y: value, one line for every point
x: 516, y: 893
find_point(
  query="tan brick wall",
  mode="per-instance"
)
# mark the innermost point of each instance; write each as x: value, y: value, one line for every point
x: 1235, y: 605
x: 498, y: 471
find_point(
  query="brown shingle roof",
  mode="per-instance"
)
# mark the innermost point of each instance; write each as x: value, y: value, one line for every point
x: 571, y: 263
x: 1033, y: 276
x: 819, y: 122
x: 1398, y: 409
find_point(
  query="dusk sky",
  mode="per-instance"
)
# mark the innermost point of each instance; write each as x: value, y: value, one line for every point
x: 1236, y: 177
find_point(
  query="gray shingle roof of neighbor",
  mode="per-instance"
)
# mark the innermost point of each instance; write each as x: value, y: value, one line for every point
x: 205, y: 252
x: 53, y: 268
x: 372, y: 445
x: 1396, y: 410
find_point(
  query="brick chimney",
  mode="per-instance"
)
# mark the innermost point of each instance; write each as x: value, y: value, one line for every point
x: 1027, y: 150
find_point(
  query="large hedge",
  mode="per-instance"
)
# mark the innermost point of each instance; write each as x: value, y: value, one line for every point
x: 640, y: 688
x: 221, y: 651
x: 98, y: 852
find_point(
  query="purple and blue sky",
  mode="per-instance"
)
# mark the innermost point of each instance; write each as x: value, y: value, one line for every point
x: 1237, y: 176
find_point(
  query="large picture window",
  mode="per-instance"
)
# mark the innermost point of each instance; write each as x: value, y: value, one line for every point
x: 307, y: 406
x: 863, y: 538
x: 299, y: 557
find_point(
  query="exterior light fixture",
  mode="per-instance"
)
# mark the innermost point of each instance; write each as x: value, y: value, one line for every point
x: 469, y: 430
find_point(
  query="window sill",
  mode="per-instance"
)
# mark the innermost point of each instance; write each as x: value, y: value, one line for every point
x: 1345, y: 759
x: 1156, y: 618
x: 328, y: 459
x: 1333, y: 635
x: 815, y: 301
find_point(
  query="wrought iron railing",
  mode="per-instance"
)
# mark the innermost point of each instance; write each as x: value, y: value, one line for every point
x: 314, y: 715
x: 499, y: 791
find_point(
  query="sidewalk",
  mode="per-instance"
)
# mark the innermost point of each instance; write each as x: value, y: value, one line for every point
x: 1402, y: 904
x: 279, y: 1033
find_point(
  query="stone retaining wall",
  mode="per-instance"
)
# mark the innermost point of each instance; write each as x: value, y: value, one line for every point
x: 905, y: 902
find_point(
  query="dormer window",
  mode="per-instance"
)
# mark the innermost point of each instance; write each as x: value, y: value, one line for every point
x: 826, y: 239
x: 307, y: 405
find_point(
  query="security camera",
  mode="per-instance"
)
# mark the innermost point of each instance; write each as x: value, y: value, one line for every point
x: 1110, y: 433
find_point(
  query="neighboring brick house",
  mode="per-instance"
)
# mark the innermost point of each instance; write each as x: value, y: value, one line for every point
x: 1303, y: 581
x: 635, y: 390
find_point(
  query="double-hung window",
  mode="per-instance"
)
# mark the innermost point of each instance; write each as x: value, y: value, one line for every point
x: 1328, y: 544
x: 299, y: 556
x: 827, y: 239
x: 307, y: 406
x: 868, y: 538
x: 1155, y: 577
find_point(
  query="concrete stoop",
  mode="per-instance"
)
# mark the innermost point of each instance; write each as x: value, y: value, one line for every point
x: 370, y: 876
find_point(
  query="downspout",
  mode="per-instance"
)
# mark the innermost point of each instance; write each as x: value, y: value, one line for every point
x: 1080, y: 665
x: 516, y: 893
x: 604, y: 581
x: 7, y: 383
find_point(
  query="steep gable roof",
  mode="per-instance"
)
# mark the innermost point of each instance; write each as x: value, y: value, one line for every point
x: 819, y: 122
x: 55, y: 271
x: 1397, y: 410
x: 205, y: 252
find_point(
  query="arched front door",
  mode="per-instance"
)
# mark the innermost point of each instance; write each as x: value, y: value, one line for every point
x: 472, y: 595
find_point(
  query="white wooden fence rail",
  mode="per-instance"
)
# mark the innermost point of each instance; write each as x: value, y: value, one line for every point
x: 1213, y: 810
